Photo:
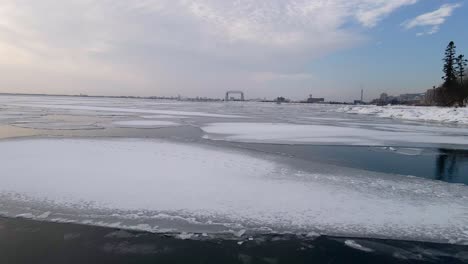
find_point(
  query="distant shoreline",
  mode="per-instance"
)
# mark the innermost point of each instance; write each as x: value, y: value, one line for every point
x: 187, y: 99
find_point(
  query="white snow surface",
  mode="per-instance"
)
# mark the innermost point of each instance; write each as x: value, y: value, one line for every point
x: 328, y: 134
x: 417, y: 113
x: 144, y: 123
x: 215, y: 185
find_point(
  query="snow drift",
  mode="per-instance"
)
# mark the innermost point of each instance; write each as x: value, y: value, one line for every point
x: 431, y: 114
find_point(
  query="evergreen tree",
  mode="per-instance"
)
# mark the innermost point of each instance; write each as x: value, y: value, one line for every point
x: 451, y: 92
x: 449, y: 63
x: 460, y: 67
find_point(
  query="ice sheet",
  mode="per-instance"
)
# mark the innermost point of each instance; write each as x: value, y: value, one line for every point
x: 135, y: 180
x: 144, y: 123
x: 58, y: 125
x: 126, y: 110
x: 325, y: 134
x: 162, y: 117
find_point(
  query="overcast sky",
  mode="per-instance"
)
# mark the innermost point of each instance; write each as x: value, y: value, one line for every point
x: 267, y: 48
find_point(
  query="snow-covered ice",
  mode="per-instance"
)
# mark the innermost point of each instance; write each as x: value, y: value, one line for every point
x: 61, y: 125
x: 268, y: 123
x: 135, y: 179
x: 126, y: 110
x: 145, y: 123
x: 162, y: 117
x: 163, y: 186
x: 432, y: 114
x: 328, y: 134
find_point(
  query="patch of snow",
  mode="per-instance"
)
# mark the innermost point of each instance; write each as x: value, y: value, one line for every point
x: 184, y: 236
x: 409, y: 151
x: 417, y: 113
x: 93, y: 179
x: 355, y: 245
x: 44, y: 215
x: 26, y: 215
x: 404, y: 151
x: 324, y: 134
x: 312, y: 234
x: 240, y: 233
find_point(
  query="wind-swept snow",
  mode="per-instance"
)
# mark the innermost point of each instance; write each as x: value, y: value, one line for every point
x: 432, y: 114
x: 328, y: 134
x: 141, y: 180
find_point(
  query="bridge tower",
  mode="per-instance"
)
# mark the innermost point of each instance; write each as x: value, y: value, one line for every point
x: 242, y: 98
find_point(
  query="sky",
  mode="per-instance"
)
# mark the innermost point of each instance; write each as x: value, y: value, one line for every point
x: 266, y: 48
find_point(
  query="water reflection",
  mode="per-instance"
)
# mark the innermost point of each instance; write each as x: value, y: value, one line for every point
x: 449, y: 162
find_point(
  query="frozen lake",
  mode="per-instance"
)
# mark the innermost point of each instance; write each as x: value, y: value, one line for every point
x: 235, y: 168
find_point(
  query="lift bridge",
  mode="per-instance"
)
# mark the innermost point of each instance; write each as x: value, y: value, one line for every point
x: 228, y: 93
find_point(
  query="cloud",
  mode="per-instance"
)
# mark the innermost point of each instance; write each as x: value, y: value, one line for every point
x: 176, y: 46
x: 432, y: 20
x: 372, y: 12
x: 271, y: 76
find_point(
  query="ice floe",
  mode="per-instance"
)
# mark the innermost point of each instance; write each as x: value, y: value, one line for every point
x: 353, y: 244
x: 326, y: 134
x: 89, y: 181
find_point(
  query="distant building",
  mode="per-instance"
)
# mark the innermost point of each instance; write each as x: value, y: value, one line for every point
x: 360, y: 101
x: 281, y: 99
x: 405, y: 99
x: 384, y: 97
x: 312, y: 100
x: 417, y: 97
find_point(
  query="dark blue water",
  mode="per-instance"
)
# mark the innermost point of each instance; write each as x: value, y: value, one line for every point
x: 24, y: 241
x: 448, y: 165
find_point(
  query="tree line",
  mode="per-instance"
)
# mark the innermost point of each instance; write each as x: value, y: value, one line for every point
x: 454, y: 89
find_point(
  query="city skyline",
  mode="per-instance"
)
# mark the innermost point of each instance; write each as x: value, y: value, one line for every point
x: 330, y: 49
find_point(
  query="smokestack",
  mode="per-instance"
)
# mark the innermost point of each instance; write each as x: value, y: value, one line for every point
x: 362, y: 95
